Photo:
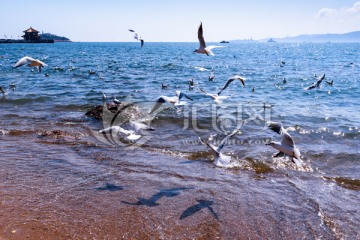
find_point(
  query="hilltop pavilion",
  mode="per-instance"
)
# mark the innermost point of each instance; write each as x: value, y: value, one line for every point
x: 31, y: 35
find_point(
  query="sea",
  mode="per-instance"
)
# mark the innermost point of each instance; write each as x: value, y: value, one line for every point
x: 62, y: 179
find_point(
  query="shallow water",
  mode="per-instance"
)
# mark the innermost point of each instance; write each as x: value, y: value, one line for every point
x: 60, y: 178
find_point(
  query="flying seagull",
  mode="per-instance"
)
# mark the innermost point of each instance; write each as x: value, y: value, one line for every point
x: 330, y: 83
x: 202, y: 48
x: 131, y: 134
x: 137, y: 37
x: 214, y: 96
x: 221, y: 160
x: 316, y: 84
x: 230, y: 80
x: 287, y: 145
x: 31, y: 62
x: 175, y: 100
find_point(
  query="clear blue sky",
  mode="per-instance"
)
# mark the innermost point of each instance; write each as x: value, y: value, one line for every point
x: 177, y: 20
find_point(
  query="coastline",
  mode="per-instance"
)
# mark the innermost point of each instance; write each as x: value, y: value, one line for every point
x: 25, y: 41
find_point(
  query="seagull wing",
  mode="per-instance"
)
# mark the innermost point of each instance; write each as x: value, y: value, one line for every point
x: 136, y: 36
x: 279, y: 154
x: 180, y: 95
x: 203, y: 91
x: 287, y: 139
x: 142, y: 42
x: 278, y: 128
x: 213, y: 46
x: 201, y: 37
x: 2, y: 90
x: 310, y: 87
x: 36, y: 63
x: 230, y: 80
x: 318, y: 83
x: 23, y: 61
x: 240, y: 78
x: 214, y: 150
x: 223, y: 142
x: 322, y: 77
x: 157, y: 104
x: 131, y: 30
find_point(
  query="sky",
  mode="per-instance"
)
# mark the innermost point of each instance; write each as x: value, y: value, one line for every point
x: 178, y: 20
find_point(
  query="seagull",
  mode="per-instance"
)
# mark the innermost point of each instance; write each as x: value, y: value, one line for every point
x: 286, y: 146
x: 103, y: 98
x: 230, y: 80
x: 31, y: 63
x: 115, y: 100
x: 221, y: 160
x: 132, y: 135
x: 217, y: 99
x: 2, y: 91
x: 163, y: 86
x: 12, y: 86
x: 267, y: 106
x: 316, y: 84
x: 137, y: 37
x: 211, y: 77
x: 175, y: 100
x: 202, y: 48
x: 330, y: 83
x: 191, y: 83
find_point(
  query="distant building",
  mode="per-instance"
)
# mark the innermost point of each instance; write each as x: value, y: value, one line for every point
x: 31, y: 35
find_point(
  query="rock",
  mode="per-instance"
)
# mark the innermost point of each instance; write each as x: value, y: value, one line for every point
x: 97, y: 111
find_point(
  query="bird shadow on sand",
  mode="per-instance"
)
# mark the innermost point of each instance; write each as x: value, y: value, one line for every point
x: 110, y: 187
x: 202, y: 204
x: 152, y: 201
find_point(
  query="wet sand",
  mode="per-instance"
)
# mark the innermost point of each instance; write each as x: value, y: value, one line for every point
x: 75, y: 189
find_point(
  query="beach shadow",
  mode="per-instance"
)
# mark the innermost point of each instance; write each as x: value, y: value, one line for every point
x: 197, y: 207
x: 110, y: 187
x: 152, y: 201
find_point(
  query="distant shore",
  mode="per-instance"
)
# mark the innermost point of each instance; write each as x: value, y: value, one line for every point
x: 25, y: 41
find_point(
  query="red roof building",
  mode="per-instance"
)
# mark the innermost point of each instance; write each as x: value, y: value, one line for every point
x: 31, y: 35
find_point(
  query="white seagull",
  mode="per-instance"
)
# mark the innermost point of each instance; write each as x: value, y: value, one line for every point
x: 175, y: 100
x: 221, y: 160
x: 131, y: 134
x: 202, y: 48
x: 217, y: 99
x: 286, y: 146
x: 115, y: 100
x: 137, y: 37
x: 316, y: 84
x: 103, y: 98
x: 230, y: 80
x: 31, y: 62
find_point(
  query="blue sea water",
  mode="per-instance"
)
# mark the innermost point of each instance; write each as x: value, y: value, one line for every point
x: 325, y: 124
